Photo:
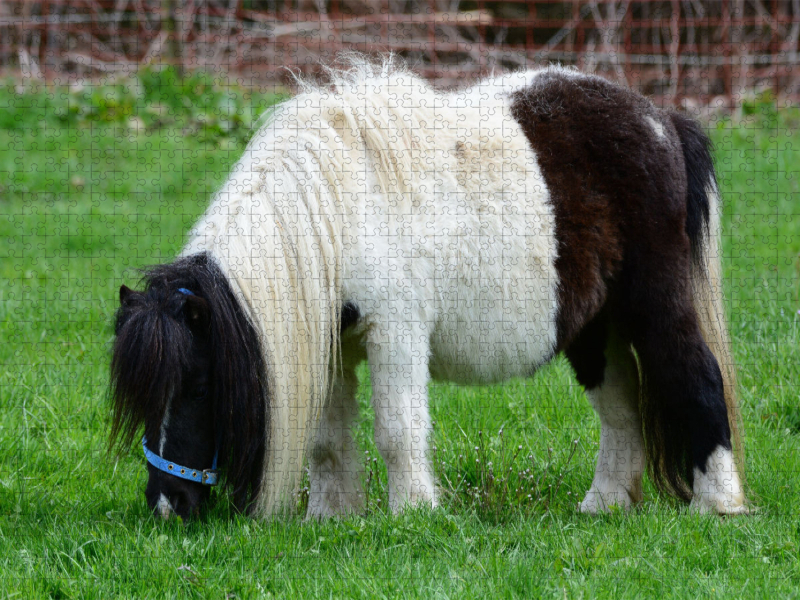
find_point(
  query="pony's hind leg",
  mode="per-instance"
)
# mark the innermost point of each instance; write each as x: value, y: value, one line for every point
x: 334, y: 467
x: 605, y: 366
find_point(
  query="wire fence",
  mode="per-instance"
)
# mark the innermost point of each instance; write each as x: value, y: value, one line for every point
x: 677, y: 50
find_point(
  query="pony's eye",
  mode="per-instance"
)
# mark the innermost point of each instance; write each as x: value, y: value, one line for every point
x: 201, y: 392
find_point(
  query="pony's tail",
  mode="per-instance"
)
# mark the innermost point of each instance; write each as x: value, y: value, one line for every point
x: 703, y: 228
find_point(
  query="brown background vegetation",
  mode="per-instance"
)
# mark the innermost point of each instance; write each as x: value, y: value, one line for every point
x: 704, y: 50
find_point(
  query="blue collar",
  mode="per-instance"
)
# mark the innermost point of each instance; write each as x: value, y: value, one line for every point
x: 206, y: 476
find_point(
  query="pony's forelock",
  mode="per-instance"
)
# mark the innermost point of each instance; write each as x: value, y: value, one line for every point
x: 150, y: 354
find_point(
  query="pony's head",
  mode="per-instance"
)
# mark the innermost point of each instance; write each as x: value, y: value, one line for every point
x: 187, y: 370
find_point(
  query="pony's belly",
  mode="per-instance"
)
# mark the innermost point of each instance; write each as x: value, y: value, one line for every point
x: 488, y: 348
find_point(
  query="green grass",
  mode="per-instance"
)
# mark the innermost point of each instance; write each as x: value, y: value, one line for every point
x: 86, y: 197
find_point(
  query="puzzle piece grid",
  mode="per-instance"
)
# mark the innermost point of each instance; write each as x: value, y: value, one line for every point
x: 89, y: 196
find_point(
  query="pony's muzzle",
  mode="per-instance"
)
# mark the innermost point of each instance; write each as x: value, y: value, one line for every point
x: 163, y: 507
x: 167, y: 495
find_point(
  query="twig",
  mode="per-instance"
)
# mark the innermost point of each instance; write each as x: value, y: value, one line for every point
x: 610, y: 29
x: 563, y: 32
x: 92, y: 62
x: 674, y: 46
x: 29, y: 66
x: 155, y: 49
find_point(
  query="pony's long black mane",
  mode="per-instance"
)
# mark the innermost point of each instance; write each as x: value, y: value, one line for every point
x: 152, y: 351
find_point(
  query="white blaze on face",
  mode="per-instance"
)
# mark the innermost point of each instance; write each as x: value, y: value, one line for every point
x: 164, y: 424
x: 163, y: 507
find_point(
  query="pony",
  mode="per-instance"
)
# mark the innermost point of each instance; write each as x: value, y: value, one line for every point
x: 468, y: 236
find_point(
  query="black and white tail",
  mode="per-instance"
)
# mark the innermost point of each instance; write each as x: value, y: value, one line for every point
x: 703, y: 229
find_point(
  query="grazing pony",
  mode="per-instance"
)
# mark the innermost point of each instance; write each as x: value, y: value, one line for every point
x: 468, y: 236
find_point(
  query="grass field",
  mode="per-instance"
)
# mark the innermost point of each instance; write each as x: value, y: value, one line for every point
x: 86, y: 197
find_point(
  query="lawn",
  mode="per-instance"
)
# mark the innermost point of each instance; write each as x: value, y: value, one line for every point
x: 96, y: 183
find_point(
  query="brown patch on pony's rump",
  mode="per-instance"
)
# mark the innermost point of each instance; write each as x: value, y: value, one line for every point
x: 595, y: 150
x: 619, y: 193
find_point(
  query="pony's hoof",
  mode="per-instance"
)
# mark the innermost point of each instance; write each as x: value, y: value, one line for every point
x: 397, y: 506
x: 597, y: 502
x: 322, y: 506
x: 717, y: 488
x: 719, y: 505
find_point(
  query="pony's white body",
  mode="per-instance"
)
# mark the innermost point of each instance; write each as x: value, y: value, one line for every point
x: 429, y: 213
x: 434, y: 221
x: 457, y: 267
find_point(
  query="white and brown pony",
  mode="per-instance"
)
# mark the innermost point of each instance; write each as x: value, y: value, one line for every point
x: 467, y: 236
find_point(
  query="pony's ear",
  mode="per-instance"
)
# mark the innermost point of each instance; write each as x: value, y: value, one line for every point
x: 198, y: 313
x: 124, y: 294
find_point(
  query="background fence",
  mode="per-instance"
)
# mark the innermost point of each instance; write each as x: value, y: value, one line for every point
x: 674, y: 49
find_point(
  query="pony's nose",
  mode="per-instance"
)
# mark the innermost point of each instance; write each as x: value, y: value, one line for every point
x: 163, y: 507
x: 167, y: 495
x: 178, y: 503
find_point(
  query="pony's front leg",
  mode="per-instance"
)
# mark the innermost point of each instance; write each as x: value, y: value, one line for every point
x: 334, y: 466
x: 399, y: 369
